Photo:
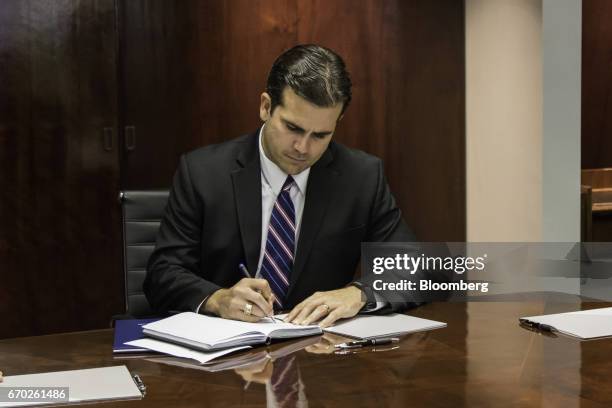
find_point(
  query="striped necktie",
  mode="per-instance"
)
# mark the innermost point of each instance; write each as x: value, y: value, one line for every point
x: 278, y: 256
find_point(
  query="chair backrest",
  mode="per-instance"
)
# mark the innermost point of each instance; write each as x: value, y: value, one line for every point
x: 142, y: 212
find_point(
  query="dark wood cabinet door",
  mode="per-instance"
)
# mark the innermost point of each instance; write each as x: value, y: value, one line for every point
x: 60, y: 236
x: 159, y: 103
x: 191, y: 73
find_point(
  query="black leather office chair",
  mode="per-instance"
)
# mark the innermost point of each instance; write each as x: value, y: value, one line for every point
x: 142, y: 212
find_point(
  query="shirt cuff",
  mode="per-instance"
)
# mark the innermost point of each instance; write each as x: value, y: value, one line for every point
x: 202, y: 303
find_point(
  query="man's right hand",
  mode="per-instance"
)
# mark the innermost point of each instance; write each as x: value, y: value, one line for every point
x: 231, y: 303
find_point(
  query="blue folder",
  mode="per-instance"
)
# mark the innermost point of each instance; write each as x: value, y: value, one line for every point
x: 128, y: 330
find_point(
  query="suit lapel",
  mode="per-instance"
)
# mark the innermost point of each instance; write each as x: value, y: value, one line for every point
x: 318, y: 193
x: 246, y: 181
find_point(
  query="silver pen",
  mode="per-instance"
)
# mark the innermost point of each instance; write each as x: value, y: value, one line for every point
x: 246, y: 273
x: 139, y: 384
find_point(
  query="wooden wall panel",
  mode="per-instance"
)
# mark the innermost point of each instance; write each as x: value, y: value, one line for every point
x: 60, y: 253
x: 239, y: 42
x: 407, y: 63
x: 596, y: 84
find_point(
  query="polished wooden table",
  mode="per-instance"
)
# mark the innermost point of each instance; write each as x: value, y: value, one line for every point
x: 482, y: 359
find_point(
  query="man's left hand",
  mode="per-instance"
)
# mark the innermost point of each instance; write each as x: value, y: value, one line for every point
x: 329, y: 306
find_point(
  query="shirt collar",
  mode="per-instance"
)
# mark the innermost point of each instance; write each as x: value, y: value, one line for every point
x: 273, y: 174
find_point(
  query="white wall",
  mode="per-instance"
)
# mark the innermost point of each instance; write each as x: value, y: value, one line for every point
x: 504, y: 120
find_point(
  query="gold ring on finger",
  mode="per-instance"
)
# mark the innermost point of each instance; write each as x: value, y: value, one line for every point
x: 326, y: 306
x: 248, y: 309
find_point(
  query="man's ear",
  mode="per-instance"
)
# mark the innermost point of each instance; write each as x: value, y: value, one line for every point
x: 265, y: 107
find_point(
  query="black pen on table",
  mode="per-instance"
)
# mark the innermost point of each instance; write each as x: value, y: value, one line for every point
x: 345, y: 351
x: 368, y: 342
x: 246, y: 273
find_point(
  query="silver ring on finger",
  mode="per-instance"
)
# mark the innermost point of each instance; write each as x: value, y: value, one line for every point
x: 326, y: 307
x: 247, y: 309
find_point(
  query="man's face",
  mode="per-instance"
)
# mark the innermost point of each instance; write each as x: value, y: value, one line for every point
x: 297, y: 132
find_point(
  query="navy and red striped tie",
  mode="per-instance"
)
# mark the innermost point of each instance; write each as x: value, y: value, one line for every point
x: 280, y: 245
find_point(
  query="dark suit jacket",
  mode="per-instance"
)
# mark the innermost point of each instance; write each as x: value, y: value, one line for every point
x: 213, y: 222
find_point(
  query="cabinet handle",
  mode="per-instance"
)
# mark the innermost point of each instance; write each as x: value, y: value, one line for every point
x: 107, y: 139
x: 130, y: 138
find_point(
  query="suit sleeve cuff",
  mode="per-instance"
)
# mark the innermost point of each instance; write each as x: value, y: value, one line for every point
x: 378, y: 304
x: 374, y: 301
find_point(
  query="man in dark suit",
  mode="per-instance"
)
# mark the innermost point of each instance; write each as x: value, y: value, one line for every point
x: 286, y: 201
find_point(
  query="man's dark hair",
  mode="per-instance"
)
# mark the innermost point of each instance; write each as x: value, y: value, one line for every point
x: 315, y: 73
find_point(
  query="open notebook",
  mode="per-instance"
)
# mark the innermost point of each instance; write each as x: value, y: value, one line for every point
x: 240, y: 360
x: 213, y: 333
x: 584, y: 324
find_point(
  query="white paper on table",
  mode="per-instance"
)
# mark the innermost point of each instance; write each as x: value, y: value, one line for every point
x: 372, y: 326
x: 367, y: 326
x: 180, y: 351
x: 87, y: 385
x: 584, y: 324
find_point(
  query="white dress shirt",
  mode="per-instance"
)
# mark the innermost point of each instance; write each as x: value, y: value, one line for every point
x: 272, y: 180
